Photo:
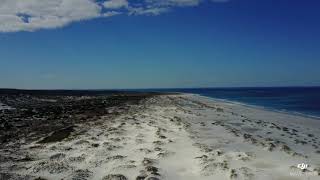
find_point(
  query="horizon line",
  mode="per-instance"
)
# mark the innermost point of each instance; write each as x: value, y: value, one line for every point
x: 164, y: 88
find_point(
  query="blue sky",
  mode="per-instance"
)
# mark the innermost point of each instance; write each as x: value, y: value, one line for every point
x: 182, y: 43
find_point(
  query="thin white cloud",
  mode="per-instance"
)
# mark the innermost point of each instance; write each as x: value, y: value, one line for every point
x: 111, y: 13
x: 147, y: 11
x: 32, y: 15
x: 175, y: 2
x: 116, y: 4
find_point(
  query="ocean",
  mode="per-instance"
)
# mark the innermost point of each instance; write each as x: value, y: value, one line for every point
x: 299, y: 100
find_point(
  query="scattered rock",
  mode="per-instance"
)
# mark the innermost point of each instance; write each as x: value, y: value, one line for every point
x: 95, y: 145
x: 219, y: 152
x: 115, y: 177
x: 81, y: 174
x: 80, y: 142
x: 153, y: 178
x: 151, y: 169
x: 145, y: 150
x: 233, y: 174
x: 219, y: 109
x: 286, y: 149
x: 158, y: 143
x: 58, y: 156
x: 77, y: 158
x: 141, y: 177
x: 38, y: 178
x: 117, y: 157
x: 271, y: 146
x: 310, y: 135
x: 165, y: 154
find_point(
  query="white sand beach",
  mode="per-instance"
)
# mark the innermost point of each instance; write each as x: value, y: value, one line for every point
x: 178, y: 137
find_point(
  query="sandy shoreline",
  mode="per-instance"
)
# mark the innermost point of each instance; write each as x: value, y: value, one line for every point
x: 176, y: 137
x: 293, y: 113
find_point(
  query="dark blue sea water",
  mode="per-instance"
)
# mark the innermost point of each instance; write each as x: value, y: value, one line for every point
x: 304, y: 100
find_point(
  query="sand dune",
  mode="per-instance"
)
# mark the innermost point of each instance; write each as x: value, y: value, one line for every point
x: 176, y: 137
